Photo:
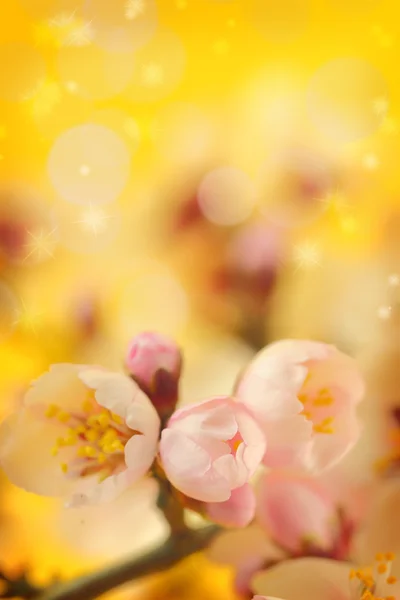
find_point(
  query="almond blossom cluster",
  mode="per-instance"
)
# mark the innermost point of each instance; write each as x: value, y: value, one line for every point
x: 88, y: 433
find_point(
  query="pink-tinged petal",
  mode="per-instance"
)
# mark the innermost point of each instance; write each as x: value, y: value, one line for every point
x: 188, y: 467
x: 26, y: 457
x: 329, y: 449
x: 217, y: 422
x: 299, y: 351
x: 150, y: 352
x: 293, y: 509
x: 238, y: 511
x: 122, y: 396
x: 266, y: 598
x: 305, y: 579
x: 227, y: 467
x: 60, y: 385
x: 341, y: 371
x: 140, y: 452
x: 211, y: 448
x: 289, y: 443
x: 261, y: 389
x: 181, y: 456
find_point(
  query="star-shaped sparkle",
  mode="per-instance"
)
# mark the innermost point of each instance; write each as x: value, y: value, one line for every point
x: 94, y: 220
x: 41, y: 244
x: 335, y: 200
x: 80, y: 35
x: 26, y: 318
x: 306, y: 255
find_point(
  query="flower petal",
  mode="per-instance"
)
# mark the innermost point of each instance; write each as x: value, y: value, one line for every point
x: 60, y: 385
x: 188, y: 467
x: 305, y: 578
x: 293, y: 508
x: 26, y: 454
x: 238, y: 511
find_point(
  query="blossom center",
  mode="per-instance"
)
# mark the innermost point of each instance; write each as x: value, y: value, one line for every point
x: 367, y: 583
x: 94, y: 440
x: 317, y: 405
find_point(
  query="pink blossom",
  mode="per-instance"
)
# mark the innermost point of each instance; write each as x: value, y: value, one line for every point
x: 297, y: 513
x: 154, y: 361
x: 304, y: 394
x: 81, y: 431
x: 209, y: 451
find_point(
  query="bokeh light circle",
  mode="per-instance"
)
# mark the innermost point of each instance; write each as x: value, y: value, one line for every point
x: 226, y: 196
x: 22, y: 69
x: 182, y: 132
x: 124, y: 124
x: 159, y: 67
x: 279, y: 22
x: 89, y: 163
x: 94, y: 73
x: 342, y: 97
x: 8, y: 311
x: 122, y: 25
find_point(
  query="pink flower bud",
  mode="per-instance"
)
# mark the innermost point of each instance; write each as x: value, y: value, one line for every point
x: 154, y: 361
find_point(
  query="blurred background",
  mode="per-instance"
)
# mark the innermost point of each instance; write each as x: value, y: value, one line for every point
x: 222, y: 171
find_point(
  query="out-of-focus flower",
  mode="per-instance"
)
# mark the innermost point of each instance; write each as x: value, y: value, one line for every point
x: 304, y: 394
x: 155, y: 362
x: 381, y: 527
x: 297, y: 513
x: 305, y: 578
x: 209, y: 452
x: 82, y: 431
x: 249, y: 269
x: 296, y: 517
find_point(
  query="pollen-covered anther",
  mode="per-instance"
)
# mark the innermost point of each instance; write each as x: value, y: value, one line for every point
x: 372, y: 581
x: 324, y: 426
x: 99, y: 438
x: 324, y: 398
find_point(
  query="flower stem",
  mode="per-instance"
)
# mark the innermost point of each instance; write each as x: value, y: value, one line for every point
x: 91, y: 586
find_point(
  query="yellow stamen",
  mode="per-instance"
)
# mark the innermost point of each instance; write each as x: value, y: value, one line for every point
x: 51, y: 411
x: 92, y: 435
x: 117, y: 419
x: 390, y: 556
x: 87, y: 406
x: 54, y: 451
x: 382, y: 568
x: 64, y: 467
x: 63, y: 417
x: 101, y: 458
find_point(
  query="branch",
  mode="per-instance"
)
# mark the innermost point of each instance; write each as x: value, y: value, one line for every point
x: 93, y: 585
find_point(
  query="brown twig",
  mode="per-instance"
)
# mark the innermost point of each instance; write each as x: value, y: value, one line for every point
x: 95, y: 584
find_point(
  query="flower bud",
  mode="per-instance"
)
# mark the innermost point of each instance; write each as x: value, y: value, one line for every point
x: 154, y: 361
